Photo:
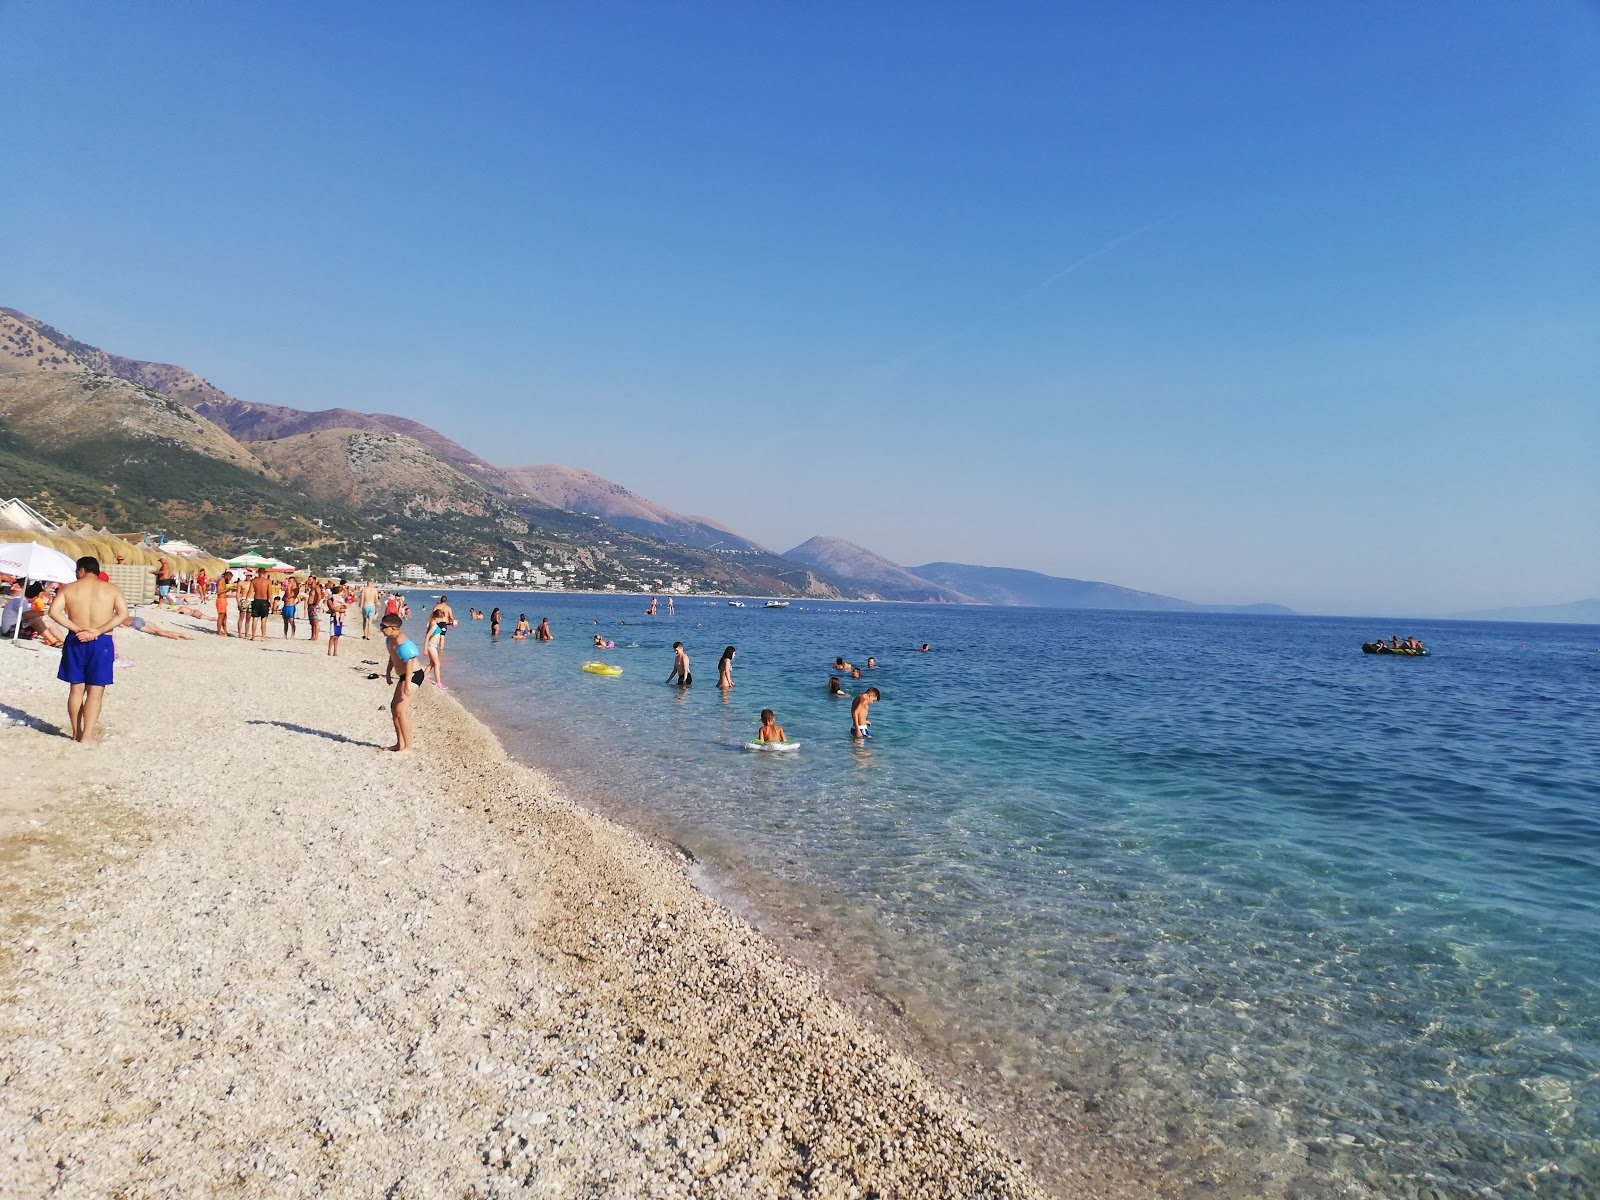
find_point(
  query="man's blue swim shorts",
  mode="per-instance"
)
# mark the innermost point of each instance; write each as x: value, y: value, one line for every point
x: 87, y: 662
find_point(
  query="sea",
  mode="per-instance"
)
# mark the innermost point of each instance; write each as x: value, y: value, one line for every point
x: 1309, y: 921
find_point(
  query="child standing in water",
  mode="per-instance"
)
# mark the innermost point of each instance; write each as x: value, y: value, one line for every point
x: 860, y: 727
x: 770, y: 730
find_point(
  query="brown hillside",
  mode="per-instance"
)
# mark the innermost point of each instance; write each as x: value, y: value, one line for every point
x: 374, y: 471
x: 28, y: 343
x: 57, y: 410
x: 24, y: 347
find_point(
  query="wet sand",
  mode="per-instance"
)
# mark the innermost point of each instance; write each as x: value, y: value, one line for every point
x: 247, y: 953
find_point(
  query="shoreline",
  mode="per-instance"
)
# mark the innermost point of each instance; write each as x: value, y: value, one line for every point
x: 341, y: 970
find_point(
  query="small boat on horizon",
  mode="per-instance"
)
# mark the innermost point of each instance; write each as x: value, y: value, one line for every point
x: 776, y: 604
x: 735, y: 603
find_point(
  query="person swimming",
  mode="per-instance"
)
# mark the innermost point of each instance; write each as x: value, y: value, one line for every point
x: 835, y: 688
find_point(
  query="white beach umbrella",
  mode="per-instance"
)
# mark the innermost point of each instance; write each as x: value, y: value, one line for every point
x: 32, y: 561
x: 37, y: 561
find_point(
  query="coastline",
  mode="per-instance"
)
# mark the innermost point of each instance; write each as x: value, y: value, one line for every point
x: 252, y: 953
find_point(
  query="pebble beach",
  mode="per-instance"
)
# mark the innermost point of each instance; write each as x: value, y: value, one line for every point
x: 247, y: 953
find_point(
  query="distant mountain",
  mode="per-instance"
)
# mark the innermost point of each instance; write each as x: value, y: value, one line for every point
x: 585, y: 492
x: 1009, y: 585
x: 1578, y: 612
x: 870, y: 573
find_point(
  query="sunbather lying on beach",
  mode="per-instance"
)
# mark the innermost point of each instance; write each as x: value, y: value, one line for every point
x: 140, y: 625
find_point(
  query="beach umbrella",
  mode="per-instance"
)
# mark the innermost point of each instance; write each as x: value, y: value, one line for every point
x: 251, y: 559
x: 36, y: 561
x: 32, y: 561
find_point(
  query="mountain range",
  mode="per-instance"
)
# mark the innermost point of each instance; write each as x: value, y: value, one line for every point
x: 90, y: 435
x: 1010, y: 585
x: 86, y: 435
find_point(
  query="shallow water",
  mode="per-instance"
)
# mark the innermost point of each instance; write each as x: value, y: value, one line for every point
x: 1279, y: 900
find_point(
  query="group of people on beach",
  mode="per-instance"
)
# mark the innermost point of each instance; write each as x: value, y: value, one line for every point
x: 88, y: 609
x: 260, y: 595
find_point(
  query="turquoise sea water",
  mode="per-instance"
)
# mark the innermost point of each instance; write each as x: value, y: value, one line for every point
x: 1280, y: 901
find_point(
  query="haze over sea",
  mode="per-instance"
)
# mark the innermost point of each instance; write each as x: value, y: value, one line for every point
x: 1305, y: 912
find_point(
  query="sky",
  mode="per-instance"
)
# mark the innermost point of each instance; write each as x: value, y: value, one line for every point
x: 1236, y: 302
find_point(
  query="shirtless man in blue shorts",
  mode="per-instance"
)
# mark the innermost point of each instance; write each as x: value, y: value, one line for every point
x: 89, y: 609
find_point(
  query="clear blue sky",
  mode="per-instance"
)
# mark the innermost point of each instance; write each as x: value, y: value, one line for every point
x: 1232, y: 301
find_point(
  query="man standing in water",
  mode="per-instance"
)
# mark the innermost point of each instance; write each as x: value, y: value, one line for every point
x: 680, y: 666
x: 90, y: 609
x: 369, y: 607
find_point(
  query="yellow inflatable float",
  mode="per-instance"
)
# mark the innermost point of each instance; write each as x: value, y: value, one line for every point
x: 600, y: 668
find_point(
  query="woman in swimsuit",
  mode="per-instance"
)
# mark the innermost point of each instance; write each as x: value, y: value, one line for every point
x: 433, y: 645
x: 523, y: 629
x: 725, y: 669
x: 494, y: 623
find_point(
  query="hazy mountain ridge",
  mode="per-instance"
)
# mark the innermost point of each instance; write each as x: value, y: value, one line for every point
x: 1014, y: 586
x: 871, y: 573
x: 585, y: 492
